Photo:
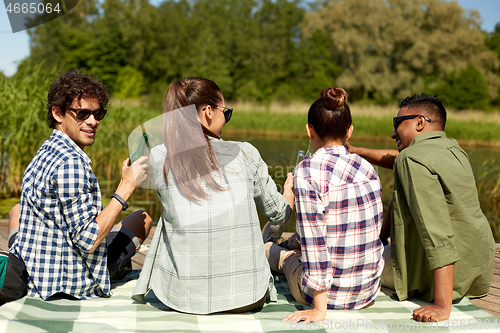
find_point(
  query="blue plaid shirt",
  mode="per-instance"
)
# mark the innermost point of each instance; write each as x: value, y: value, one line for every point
x: 60, y: 200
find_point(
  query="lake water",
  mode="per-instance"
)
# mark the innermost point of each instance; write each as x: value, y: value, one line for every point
x: 281, y: 155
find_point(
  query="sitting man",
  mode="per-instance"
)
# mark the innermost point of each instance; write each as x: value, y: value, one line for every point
x: 60, y: 231
x: 442, y: 247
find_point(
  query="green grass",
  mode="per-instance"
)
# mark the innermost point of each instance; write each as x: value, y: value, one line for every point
x: 267, y: 123
x: 472, y: 132
x: 6, y: 205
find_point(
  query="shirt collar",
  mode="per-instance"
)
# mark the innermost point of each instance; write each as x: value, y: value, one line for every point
x: 335, y: 150
x: 58, y: 135
x: 428, y: 136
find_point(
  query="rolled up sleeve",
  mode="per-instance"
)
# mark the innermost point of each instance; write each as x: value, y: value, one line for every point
x: 270, y: 202
x: 318, y: 271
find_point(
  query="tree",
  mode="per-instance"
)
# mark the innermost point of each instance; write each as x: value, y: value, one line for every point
x: 466, y: 89
x: 50, y: 41
x: 246, y: 46
x: 313, y: 69
x: 492, y: 41
x: 88, y: 37
x: 387, y: 47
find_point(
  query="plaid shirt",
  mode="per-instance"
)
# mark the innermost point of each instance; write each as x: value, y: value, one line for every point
x: 60, y: 199
x: 339, y: 216
x: 207, y: 256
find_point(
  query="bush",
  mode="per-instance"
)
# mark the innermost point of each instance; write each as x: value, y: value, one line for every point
x: 129, y: 83
x: 466, y: 89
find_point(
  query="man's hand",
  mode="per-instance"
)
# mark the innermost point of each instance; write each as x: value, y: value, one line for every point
x: 350, y: 148
x: 381, y: 157
x: 431, y: 313
x: 307, y: 316
x: 134, y: 175
x: 443, y: 295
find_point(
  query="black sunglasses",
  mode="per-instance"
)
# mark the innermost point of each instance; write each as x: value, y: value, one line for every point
x: 228, y: 112
x: 83, y: 114
x: 398, y: 120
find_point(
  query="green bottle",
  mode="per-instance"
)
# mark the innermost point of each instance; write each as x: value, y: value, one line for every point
x: 142, y: 148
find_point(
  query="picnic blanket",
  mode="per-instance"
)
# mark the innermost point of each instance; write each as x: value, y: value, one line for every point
x: 119, y: 313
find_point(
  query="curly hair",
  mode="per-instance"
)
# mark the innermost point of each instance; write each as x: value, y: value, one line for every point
x: 70, y: 85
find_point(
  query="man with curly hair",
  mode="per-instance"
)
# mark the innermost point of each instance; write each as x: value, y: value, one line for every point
x: 70, y: 245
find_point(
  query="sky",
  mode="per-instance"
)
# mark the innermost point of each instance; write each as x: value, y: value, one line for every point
x: 15, y: 46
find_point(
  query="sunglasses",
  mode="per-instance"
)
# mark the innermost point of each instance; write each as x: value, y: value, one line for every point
x: 83, y: 114
x: 398, y: 120
x: 228, y: 112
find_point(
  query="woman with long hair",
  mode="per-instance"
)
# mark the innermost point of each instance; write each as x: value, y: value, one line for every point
x: 207, y: 253
x: 334, y: 260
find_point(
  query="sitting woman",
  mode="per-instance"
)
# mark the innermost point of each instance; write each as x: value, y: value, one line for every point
x: 207, y: 253
x: 334, y: 260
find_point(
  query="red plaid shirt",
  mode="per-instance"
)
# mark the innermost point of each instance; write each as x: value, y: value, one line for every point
x: 338, y: 200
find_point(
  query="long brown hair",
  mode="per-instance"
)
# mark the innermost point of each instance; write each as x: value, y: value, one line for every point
x: 330, y: 115
x: 189, y: 153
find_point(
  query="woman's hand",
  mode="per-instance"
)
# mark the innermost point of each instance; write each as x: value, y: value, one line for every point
x: 318, y: 313
x: 306, y: 316
x: 288, y: 189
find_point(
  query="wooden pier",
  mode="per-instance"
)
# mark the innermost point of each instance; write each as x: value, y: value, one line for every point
x: 490, y: 303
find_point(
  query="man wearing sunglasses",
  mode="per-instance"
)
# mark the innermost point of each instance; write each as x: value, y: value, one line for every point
x: 442, y: 247
x: 70, y: 245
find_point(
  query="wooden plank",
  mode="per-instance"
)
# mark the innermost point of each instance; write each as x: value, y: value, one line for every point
x: 488, y: 303
x: 4, y: 234
x: 494, y: 291
x: 3, y: 244
x: 491, y: 308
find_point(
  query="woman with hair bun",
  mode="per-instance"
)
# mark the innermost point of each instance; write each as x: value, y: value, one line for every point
x: 207, y: 253
x: 334, y: 260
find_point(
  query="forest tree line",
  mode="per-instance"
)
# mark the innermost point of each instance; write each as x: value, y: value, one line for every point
x: 287, y: 50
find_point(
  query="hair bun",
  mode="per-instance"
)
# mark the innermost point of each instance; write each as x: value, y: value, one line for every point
x: 334, y: 98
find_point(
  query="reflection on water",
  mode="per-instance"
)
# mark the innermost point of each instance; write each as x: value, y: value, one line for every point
x: 281, y: 156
